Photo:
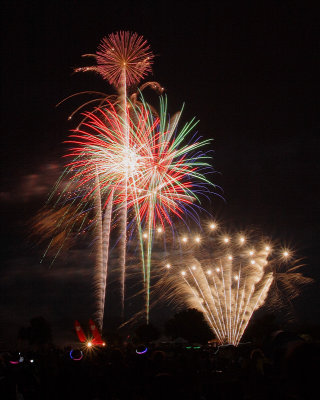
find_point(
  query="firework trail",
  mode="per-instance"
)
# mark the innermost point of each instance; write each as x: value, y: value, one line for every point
x: 231, y: 284
x: 123, y: 59
x: 99, y: 242
x: 103, y: 228
x: 102, y: 284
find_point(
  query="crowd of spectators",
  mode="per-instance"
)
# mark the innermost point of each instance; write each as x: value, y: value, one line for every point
x: 284, y: 371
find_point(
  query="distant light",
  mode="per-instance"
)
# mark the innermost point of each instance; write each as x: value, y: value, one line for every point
x: 252, y: 262
x: 226, y: 240
x: 267, y: 248
x: 103, y: 344
x: 286, y: 253
x: 197, y: 239
x: 251, y: 252
x: 31, y: 361
x: 218, y: 269
x: 159, y: 230
x: 213, y: 226
x: 145, y: 235
x: 229, y: 257
x: 89, y: 344
x: 209, y: 272
x: 183, y: 273
x: 194, y: 267
x: 236, y: 277
x: 168, y: 266
x: 242, y: 240
x: 184, y: 239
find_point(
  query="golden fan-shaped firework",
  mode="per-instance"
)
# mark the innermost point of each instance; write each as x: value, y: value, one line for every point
x: 228, y: 278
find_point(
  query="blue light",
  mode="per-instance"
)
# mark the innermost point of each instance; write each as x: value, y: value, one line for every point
x: 76, y: 359
x: 143, y: 351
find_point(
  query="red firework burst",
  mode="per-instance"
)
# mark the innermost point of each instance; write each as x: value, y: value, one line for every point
x: 153, y: 173
x: 124, y: 54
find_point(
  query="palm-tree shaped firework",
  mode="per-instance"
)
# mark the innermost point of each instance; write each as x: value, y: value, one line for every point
x: 123, y: 59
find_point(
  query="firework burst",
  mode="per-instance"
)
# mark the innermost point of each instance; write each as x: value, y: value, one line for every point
x: 230, y: 282
x: 153, y: 177
x: 122, y: 55
x: 146, y: 170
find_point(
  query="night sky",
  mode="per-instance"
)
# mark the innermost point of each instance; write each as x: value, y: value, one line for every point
x: 249, y: 73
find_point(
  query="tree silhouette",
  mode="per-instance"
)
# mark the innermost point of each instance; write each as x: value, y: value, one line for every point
x: 146, y: 333
x: 40, y: 331
x: 261, y: 326
x: 190, y: 325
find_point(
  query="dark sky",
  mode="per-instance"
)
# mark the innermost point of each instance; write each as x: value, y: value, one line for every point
x: 249, y: 73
